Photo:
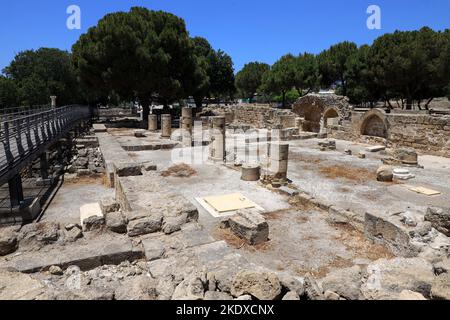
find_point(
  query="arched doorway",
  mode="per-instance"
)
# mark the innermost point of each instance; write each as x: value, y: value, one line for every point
x: 331, y: 117
x: 374, y: 125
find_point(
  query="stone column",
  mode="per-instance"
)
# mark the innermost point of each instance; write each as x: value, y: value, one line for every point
x: 217, y: 146
x: 186, y: 126
x: 278, y: 158
x: 152, y: 122
x: 166, y: 125
x: 53, y: 98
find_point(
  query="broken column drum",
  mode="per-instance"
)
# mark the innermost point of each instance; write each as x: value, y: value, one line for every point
x: 217, y: 146
x: 166, y: 125
x: 152, y: 122
x: 186, y: 126
x: 278, y: 158
x: 251, y: 172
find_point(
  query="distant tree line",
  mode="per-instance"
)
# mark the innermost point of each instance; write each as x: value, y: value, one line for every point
x: 148, y: 57
x: 140, y: 55
x: 403, y: 69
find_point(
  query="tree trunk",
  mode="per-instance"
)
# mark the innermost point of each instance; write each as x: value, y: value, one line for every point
x: 409, y: 103
x: 428, y: 103
x: 284, y: 100
x: 198, y: 102
x: 145, y: 112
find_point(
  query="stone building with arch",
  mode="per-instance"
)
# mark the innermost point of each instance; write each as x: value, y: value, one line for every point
x: 330, y: 114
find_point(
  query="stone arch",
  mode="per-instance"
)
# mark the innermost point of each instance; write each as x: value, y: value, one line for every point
x: 374, y: 124
x: 331, y: 113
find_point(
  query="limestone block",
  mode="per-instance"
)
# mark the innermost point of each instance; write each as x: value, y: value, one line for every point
x: 8, y: 241
x: 143, y: 226
x: 250, y: 226
x: 90, y: 210
x: 127, y: 169
x: 439, y: 218
x: 262, y: 285
x: 385, y: 174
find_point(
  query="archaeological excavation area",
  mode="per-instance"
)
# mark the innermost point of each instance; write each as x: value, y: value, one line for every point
x: 322, y: 201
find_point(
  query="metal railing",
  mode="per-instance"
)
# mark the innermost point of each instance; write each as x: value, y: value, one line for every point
x: 23, y: 136
x: 12, y: 113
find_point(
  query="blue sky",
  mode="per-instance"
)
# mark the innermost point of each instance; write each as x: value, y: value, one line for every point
x: 248, y: 30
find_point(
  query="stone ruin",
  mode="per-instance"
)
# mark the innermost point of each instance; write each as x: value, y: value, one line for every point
x: 147, y: 241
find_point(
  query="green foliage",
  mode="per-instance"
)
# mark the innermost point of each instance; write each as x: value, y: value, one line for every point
x: 333, y: 64
x: 138, y: 54
x: 306, y: 76
x: 216, y: 72
x: 221, y: 75
x: 249, y: 79
x: 39, y: 74
x: 281, y: 77
x: 8, y: 93
x: 411, y: 66
x: 290, y: 97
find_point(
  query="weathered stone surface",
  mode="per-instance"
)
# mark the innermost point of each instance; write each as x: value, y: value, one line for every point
x: 165, y: 287
x: 389, y: 232
x: 73, y: 234
x: 405, y: 155
x: 410, y: 295
x: 19, y: 286
x: 441, y: 287
x: 173, y: 224
x: 250, y: 226
x: 312, y: 289
x: 90, y: 210
x: 37, y: 235
x: 137, y: 288
x: 261, y: 285
x: 327, y: 144
x: 442, y: 266
x: 93, y: 223
x: 387, y: 278
x: 149, y: 166
x: 146, y: 225
x: 127, y: 169
x: 191, y: 288
x: 8, y: 241
x: 439, y: 218
x: 56, y: 270
x: 108, y: 205
x: 385, y: 174
x: 330, y: 295
x: 154, y: 249
x: 86, y: 256
x: 291, y: 295
x: 216, y: 295
x: 345, y: 282
x: 116, y: 222
x: 290, y: 283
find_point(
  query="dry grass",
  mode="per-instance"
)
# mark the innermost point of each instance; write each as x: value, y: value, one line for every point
x: 356, y: 174
x: 234, y: 241
x: 355, y: 241
x: 302, y: 204
x: 305, y: 158
x: 180, y: 171
x: 97, y: 179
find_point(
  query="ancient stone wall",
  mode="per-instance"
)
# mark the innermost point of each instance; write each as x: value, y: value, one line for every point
x: 428, y: 134
x: 317, y: 109
x: 255, y: 115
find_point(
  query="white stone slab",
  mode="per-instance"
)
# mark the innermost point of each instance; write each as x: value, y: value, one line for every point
x: 90, y: 210
x: 98, y: 127
x: 375, y: 148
